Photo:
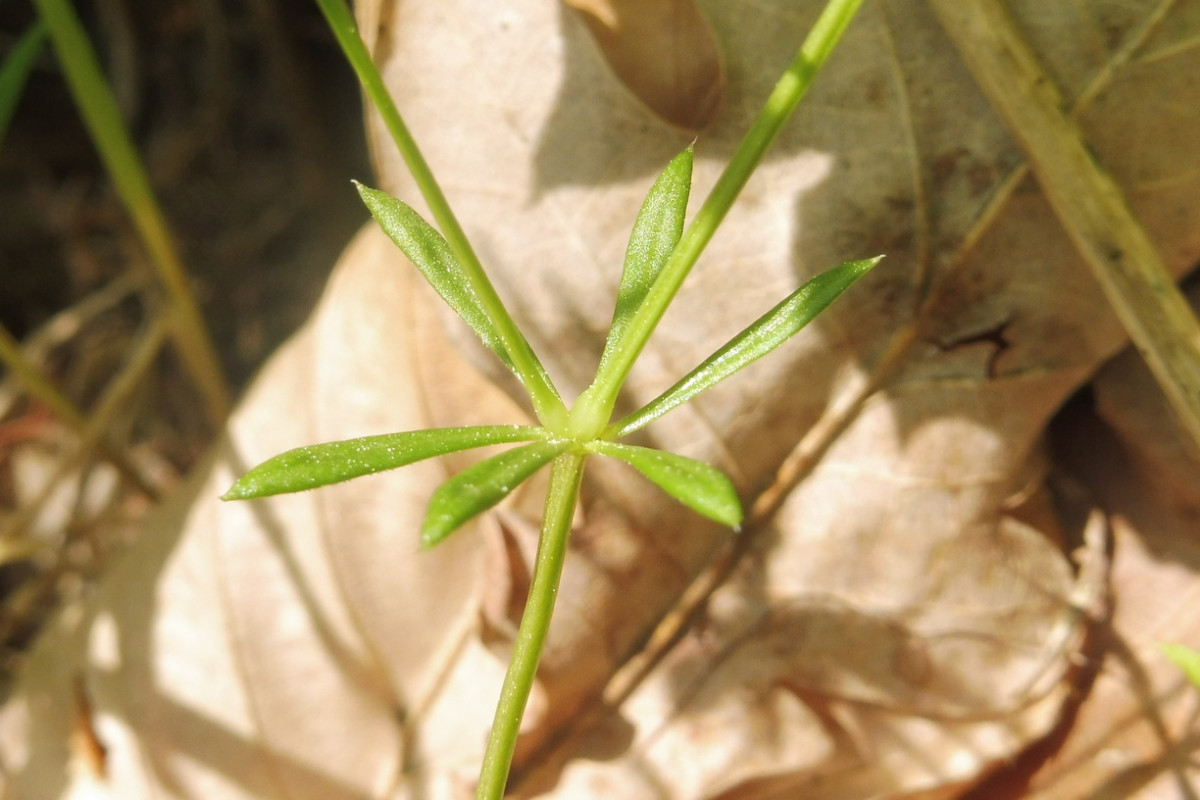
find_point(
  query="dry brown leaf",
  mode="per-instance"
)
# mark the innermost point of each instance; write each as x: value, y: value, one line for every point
x: 250, y: 650
x: 899, y: 618
x: 1135, y: 734
x: 664, y: 51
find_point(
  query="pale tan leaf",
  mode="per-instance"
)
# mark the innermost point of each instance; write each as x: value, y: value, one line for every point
x: 664, y: 51
x: 1135, y: 734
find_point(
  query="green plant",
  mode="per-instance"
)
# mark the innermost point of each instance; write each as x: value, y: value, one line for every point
x: 660, y: 255
x: 1184, y: 657
x: 180, y: 319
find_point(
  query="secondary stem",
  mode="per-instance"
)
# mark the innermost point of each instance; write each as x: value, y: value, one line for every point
x: 529, y: 369
x: 565, y: 475
x: 812, y: 55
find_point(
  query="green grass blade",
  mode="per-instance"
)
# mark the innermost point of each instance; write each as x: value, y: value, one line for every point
x: 761, y: 337
x: 1186, y: 659
x: 431, y: 253
x: 98, y: 107
x: 698, y: 486
x: 15, y: 71
x: 478, y: 488
x: 333, y: 462
x: 656, y: 231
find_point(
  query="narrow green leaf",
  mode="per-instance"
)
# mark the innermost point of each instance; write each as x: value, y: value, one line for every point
x: 333, y: 462
x: 656, y: 231
x: 698, y: 486
x: 15, y: 71
x: 761, y: 337
x: 478, y: 488
x: 431, y: 253
x: 1186, y: 659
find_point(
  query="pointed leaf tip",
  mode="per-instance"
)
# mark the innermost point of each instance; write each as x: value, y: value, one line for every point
x: 702, y: 488
x: 762, y: 336
x: 433, y: 256
x: 1186, y: 659
x: 656, y: 231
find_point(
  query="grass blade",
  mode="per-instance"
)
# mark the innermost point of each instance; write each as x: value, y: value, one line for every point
x: 700, y: 487
x: 431, y: 253
x: 761, y: 337
x: 656, y: 231
x: 97, y: 106
x: 333, y: 462
x: 478, y: 488
x: 15, y: 71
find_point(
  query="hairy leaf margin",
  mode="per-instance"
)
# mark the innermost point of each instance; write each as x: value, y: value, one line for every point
x: 483, y: 485
x: 333, y: 462
x: 755, y: 341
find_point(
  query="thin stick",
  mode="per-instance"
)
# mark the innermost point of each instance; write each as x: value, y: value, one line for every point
x: 43, y: 390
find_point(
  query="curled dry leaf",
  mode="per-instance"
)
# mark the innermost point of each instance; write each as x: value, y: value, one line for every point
x: 899, y: 616
x: 664, y: 51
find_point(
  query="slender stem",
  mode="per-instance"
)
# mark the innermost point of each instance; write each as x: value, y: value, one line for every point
x: 565, y: 475
x: 40, y: 387
x: 782, y: 102
x: 546, y: 401
x: 36, y: 383
x: 98, y: 107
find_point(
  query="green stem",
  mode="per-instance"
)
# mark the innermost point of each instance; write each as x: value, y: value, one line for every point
x: 597, y: 402
x: 100, y: 113
x: 529, y: 369
x: 565, y: 475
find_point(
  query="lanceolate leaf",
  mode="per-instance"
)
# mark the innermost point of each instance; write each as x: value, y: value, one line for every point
x: 333, y: 462
x: 431, y: 253
x: 698, y: 486
x: 478, y: 488
x: 655, y: 233
x: 764, y: 335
